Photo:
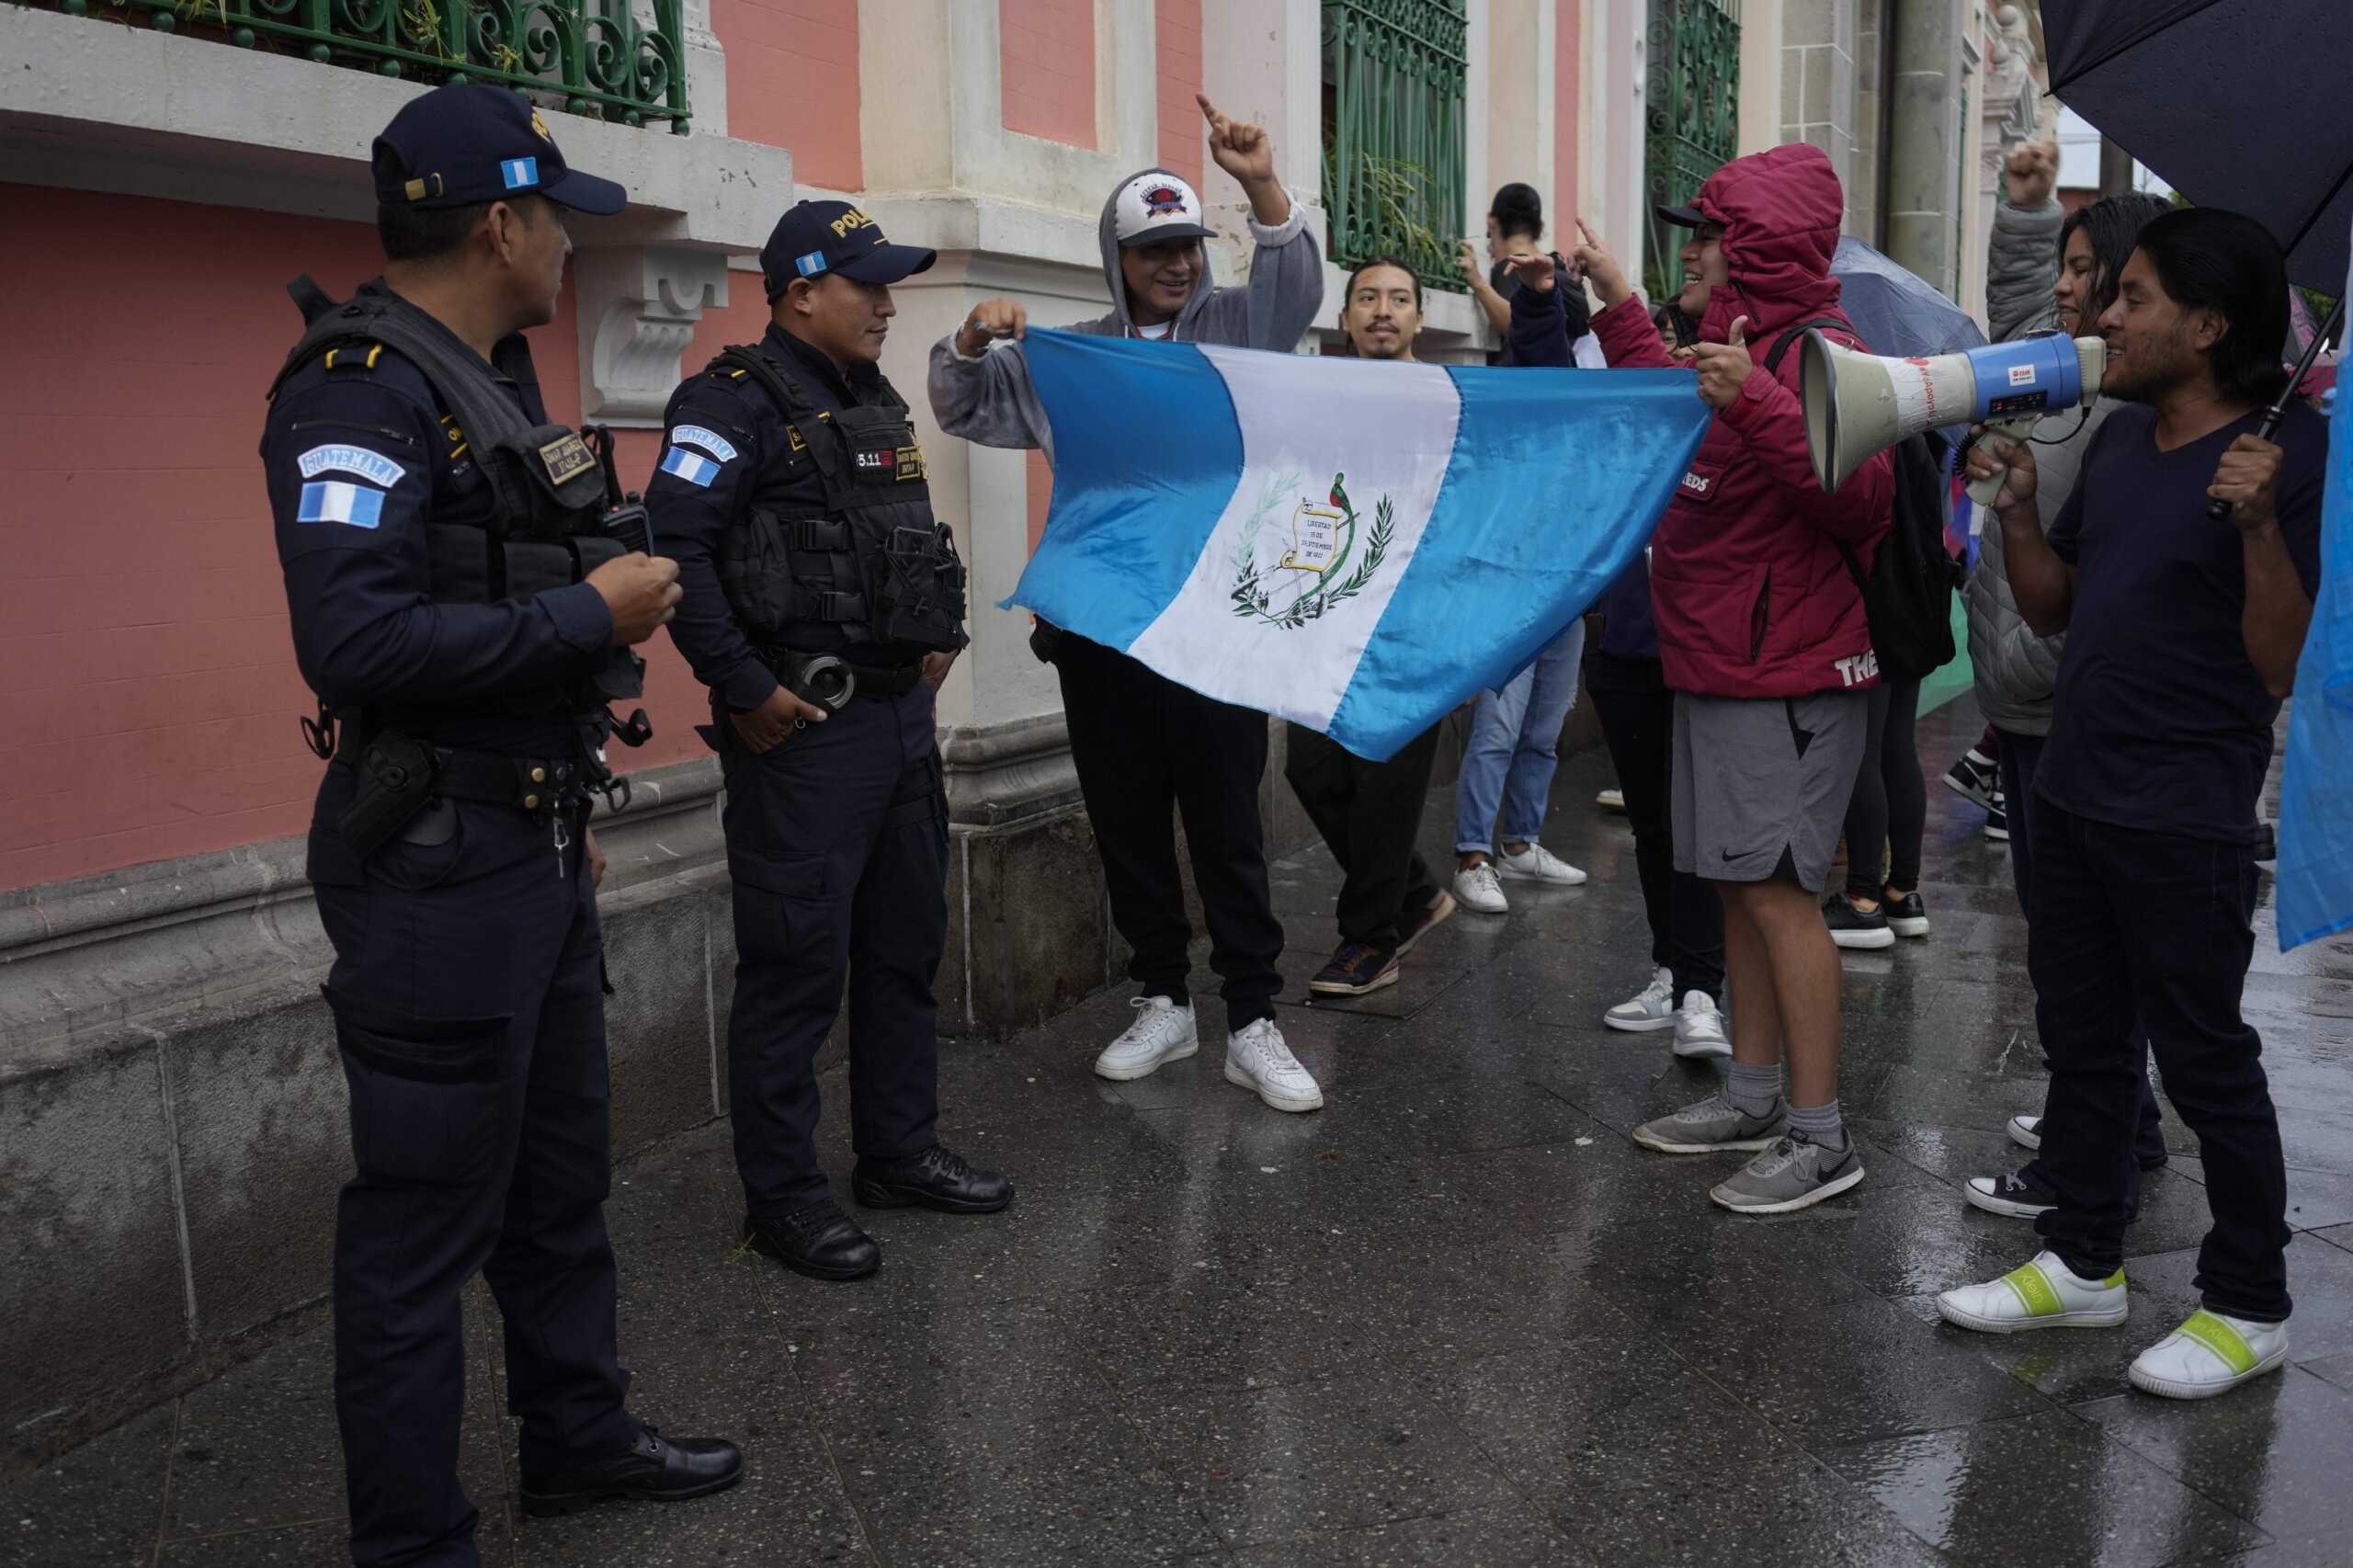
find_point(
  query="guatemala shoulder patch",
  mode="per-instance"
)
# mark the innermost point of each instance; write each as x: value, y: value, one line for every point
x: 373, y: 467
x: 692, y: 467
x: 333, y: 501
x: 711, y: 441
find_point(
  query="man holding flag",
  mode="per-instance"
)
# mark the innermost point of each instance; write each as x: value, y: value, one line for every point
x: 1146, y: 747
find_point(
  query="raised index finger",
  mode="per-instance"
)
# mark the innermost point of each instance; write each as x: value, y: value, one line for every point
x: 1209, y: 110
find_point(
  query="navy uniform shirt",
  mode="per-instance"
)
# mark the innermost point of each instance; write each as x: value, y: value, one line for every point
x: 729, y: 450
x: 358, y: 458
x: 2160, y: 722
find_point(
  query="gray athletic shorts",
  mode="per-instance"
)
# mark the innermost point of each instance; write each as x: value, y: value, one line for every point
x: 1760, y: 785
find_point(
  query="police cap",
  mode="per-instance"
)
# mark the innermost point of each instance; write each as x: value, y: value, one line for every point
x: 818, y: 237
x: 470, y: 141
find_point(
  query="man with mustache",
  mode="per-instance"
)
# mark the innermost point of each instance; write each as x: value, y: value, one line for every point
x: 1145, y: 747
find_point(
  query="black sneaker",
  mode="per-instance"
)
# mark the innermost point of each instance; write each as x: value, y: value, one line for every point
x: 1906, y: 916
x: 1854, y: 927
x: 1975, y: 778
x: 1356, y: 968
x: 2018, y: 1194
x: 1998, y: 820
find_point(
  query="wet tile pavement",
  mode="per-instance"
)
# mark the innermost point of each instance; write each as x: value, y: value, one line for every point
x: 1457, y: 1317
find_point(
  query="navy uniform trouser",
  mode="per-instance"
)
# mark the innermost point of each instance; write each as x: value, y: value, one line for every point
x: 2128, y: 924
x: 468, y: 1004
x: 838, y: 842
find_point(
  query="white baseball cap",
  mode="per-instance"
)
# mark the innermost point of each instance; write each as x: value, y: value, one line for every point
x: 1157, y: 206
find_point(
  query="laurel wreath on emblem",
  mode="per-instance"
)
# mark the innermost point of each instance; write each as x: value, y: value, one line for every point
x: 1254, y: 600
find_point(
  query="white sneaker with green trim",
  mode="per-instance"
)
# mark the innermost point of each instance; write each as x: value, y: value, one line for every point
x: 2209, y: 1353
x: 2041, y: 1294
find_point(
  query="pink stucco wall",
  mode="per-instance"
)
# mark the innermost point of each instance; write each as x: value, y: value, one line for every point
x: 793, y: 81
x: 152, y: 696
x: 1561, y: 201
x: 1046, y: 52
x: 1177, y: 32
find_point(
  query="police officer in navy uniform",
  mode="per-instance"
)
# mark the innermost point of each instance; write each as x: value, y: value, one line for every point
x: 824, y: 604
x: 464, y: 610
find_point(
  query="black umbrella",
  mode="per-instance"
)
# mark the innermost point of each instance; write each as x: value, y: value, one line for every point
x: 2235, y: 103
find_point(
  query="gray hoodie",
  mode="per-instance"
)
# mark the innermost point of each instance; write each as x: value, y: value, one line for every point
x: 2015, y: 671
x: 987, y: 398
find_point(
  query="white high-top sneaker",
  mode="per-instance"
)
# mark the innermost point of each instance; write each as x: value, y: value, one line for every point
x: 1162, y: 1032
x: 1652, y: 1007
x: 1257, y: 1058
x: 2209, y: 1353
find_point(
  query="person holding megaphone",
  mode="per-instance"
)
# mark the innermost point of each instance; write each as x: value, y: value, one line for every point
x: 1765, y: 642
x: 2183, y: 630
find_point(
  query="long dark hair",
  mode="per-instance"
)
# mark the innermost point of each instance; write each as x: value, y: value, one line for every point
x: 1517, y: 210
x: 2112, y: 225
x: 2207, y: 257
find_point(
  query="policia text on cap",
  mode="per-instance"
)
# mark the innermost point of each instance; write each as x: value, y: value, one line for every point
x: 824, y: 604
x: 463, y: 598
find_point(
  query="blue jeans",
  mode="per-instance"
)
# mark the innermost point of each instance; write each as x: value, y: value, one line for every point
x: 1515, y: 741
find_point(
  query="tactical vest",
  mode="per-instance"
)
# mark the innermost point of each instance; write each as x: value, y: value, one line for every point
x: 546, y: 529
x: 875, y: 566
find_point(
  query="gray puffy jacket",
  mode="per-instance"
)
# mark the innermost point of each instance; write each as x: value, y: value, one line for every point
x: 2015, y: 671
x: 987, y: 398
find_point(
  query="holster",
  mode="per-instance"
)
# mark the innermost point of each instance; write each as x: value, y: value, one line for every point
x: 396, y: 775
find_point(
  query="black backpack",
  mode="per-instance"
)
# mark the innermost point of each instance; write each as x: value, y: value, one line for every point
x: 1908, y: 597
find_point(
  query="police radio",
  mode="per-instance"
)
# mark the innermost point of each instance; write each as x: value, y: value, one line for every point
x: 628, y: 520
x: 1857, y: 404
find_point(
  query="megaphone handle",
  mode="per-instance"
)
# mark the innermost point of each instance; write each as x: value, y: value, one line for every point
x: 1982, y: 490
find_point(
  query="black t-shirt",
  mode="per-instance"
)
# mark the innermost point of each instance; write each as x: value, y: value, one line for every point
x: 2160, y: 722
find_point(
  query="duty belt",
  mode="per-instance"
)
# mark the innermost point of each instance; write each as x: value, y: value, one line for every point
x: 877, y: 681
x: 526, y: 783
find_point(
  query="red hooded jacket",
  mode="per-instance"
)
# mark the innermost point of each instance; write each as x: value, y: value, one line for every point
x: 1752, y: 596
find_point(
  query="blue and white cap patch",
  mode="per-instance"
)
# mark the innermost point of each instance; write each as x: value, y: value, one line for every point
x: 692, y: 467
x: 373, y: 467
x: 333, y: 501
x: 711, y: 441
x: 520, y: 174
x: 811, y: 264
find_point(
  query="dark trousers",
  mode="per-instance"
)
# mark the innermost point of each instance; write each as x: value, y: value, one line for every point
x: 1371, y: 814
x: 1686, y: 918
x: 838, y: 842
x: 1146, y: 749
x: 1889, y: 809
x: 2017, y: 754
x: 2130, y: 923
x: 469, y: 1014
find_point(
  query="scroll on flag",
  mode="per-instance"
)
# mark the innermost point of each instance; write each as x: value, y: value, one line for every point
x: 2315, y: 878
x: 1354, y: 545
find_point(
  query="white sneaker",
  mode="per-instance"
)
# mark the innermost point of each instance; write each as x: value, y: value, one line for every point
x: 2041, y: 1294
x: 1699, y: 1027
x: 1476, y: 888
x: 1257, y: 1058
x: 1537, y: 864
x: 1612, y: 801
x: 2209, y: 1353
x: 2026, y: 1132
x: 1653, y: 1009
x: 1162, y: 1032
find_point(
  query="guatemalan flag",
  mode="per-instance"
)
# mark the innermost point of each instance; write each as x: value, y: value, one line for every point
x: 1355, y: 545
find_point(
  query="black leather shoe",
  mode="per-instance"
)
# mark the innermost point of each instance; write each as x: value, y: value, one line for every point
x: 936, y: 1178
x: 818, y: 1240
x: 655, y: 1468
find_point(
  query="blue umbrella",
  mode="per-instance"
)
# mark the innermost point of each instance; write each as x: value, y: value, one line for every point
x: 1895, y: 309
x: 2236, y: 103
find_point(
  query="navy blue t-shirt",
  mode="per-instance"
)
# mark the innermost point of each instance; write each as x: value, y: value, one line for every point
x: 2160, y: 722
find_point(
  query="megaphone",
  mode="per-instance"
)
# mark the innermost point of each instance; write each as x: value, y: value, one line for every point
x: 1860, y: 404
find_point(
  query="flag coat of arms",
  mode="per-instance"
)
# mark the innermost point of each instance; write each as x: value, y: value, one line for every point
x: 1355, y: 545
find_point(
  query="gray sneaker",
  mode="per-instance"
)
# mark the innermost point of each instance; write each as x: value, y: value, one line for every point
x: 1792, y: 1174
x: 1710, y: 1126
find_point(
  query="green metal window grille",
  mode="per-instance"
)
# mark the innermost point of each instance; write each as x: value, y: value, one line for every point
x: 1393, y: 86
x: 602, y: 56
x: 1693, y: 122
